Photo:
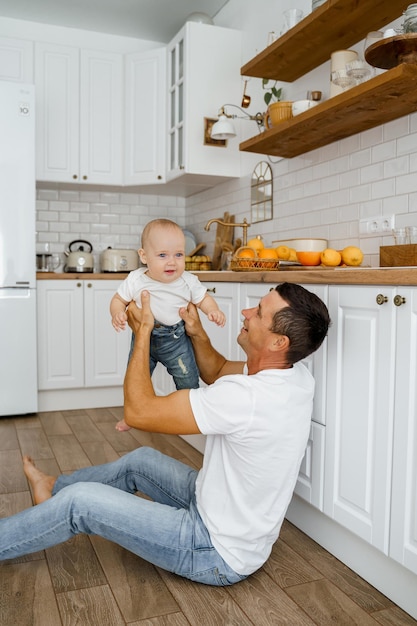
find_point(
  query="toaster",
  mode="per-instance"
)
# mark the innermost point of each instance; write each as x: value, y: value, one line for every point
x: 119, y: 260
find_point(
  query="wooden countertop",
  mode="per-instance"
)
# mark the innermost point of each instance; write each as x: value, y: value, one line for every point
x: 314, y: 275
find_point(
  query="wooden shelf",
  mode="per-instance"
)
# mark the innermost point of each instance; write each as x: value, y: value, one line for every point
x: 379, y: 100
x: 335, y: 25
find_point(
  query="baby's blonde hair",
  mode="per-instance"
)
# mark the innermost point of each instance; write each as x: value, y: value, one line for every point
x: 158, y: 223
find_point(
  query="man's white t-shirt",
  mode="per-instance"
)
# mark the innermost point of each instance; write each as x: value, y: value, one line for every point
x: 257, y: 430
x: 166, y: 299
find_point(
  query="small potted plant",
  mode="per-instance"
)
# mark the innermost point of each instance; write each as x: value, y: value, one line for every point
x: 278, y: 110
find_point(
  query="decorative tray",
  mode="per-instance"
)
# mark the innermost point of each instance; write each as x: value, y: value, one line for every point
x: 393, y: 51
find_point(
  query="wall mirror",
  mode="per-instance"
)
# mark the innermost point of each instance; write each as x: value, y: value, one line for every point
x: 261, y: 193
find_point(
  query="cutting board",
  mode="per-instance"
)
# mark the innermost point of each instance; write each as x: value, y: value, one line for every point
x: 224, y: 239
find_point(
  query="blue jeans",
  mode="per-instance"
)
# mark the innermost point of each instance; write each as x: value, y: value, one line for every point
x: 171, y: 346
x: 166, y: 531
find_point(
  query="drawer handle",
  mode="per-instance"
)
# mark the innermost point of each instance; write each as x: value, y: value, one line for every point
x: 79, y: 285
x: 399, y: 300
x: 211, y: 289
x: 380, y: 299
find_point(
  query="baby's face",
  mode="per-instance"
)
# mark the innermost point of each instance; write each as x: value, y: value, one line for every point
x: 164, y: 254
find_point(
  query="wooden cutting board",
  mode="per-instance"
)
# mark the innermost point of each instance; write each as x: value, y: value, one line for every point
x: 224, y: 235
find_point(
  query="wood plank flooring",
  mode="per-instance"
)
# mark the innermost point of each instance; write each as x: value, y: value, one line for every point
x: 88, y: 581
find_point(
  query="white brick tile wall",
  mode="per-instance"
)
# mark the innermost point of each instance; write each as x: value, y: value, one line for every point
x: 323, y: 193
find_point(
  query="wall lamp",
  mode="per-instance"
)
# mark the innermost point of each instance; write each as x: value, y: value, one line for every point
x: 224, y: 128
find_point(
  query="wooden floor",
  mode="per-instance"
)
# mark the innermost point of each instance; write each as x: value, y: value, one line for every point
x: 91, y: 582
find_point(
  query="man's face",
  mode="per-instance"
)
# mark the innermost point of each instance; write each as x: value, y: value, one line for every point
x: 255, y: 334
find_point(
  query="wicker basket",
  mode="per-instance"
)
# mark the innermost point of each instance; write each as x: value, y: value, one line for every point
x: 253, y: 265
x: 196, y: 266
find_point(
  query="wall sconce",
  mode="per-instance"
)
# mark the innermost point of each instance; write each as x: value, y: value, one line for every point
x: 224, y: 128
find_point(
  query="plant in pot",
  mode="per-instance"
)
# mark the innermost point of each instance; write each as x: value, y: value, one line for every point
x: 277, y: 110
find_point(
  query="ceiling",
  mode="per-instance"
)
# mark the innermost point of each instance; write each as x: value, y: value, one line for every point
x: 155, y: 20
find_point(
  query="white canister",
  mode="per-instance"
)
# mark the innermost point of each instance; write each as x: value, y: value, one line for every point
x: 338, y: 60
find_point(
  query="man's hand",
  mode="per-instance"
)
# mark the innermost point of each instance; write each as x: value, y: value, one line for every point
x: 190, y: 315
x: 140, y: 318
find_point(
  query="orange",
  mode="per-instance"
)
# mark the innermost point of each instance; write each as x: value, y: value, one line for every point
x: 283, y: 252
x: 293, y: 255
x: 267, y: 253
x: 309, y: 258
x: 331, y: 257
x: 351, y: 255
x: 245, y: 253
x: 256, y: 243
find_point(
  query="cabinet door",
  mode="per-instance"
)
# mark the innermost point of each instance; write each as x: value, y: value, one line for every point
x: 310, y: 482
x: 197, y: 89
x: 60, y: 308
x: 145, y: 117
x: 57, y: 112
x: 224, y: 339
x: 101, y: 118
x: 106, y: 351
x: 403, y: 539
x: 16, y: 60
x: 360, y: 411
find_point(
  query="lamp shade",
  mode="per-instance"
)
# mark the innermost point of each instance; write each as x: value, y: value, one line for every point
x: 223, y: 129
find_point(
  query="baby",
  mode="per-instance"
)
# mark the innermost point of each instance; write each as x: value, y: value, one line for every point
x: 170, y: 288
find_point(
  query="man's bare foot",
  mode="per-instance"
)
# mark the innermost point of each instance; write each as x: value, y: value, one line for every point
x: 41, y: 483
x: 122, y: 426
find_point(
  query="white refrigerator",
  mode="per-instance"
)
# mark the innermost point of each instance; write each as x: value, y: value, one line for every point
x: 18, y: 360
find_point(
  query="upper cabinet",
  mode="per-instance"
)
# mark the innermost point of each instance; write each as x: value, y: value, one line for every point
x: 335, y: 25
x: 79, y: 95
x: 16, y: 60
x: 203, y: 74
x: 145, y: 108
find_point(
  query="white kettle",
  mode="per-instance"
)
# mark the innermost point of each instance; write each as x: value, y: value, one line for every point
x: 79, y: 260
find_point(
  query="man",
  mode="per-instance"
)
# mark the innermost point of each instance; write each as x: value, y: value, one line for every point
x: 218, y: 525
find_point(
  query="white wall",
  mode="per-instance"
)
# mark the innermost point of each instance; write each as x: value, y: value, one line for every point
x: 325, y: 192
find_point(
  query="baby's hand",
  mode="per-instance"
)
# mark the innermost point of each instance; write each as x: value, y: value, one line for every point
x: 119, y: 321
x: 218, y: 317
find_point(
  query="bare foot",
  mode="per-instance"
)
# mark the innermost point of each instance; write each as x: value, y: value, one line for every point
x: 41, y: 483
x: 122, y: 426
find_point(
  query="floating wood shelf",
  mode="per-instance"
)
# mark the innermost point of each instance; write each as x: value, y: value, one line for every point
x: 335, y: 25
x: 381, y: 99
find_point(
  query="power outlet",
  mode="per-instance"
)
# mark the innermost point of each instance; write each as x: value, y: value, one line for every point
x: 376, y: 226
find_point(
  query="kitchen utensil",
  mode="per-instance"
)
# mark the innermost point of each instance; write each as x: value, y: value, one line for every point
x: 119, y: 260
x: 299, y: 106
x: 79, y: 260
x: 190, y: 242
x: 291, y: 18
x: 245, y: 98
x: 47, y: 262
x: 199, y: 247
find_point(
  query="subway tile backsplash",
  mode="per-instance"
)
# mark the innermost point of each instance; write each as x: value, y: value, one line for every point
x: 323, y: 193
x: 102, y: 218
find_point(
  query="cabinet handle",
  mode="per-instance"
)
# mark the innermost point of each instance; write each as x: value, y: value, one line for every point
x: 85, y: 177
x: 89, y: 285
x: 399, y: 300
x: 159, y: 177
x: 78, y: 284
x: 380, y: 299
x: 211, y: 289
x: 75, y: 176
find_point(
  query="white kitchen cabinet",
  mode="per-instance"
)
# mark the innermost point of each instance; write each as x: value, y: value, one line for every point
x: 79, y: 95
x: 203, y: 74
x: 403, y: 533
x: 145, y: 108
x: 310, y: 483
x: 16, y: 60
x: 362, y: 403
x: 77, y: 345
